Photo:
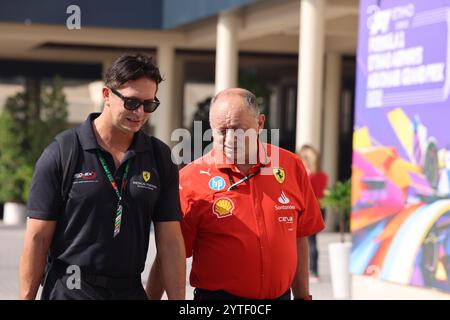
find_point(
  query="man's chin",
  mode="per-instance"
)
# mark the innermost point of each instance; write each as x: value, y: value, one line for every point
x: 130, y: 129
x: 235, y: 158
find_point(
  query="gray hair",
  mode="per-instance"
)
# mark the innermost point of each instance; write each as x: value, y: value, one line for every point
x: 248, y: 96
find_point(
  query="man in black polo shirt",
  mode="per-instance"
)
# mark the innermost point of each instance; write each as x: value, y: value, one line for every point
x: 97, y: 238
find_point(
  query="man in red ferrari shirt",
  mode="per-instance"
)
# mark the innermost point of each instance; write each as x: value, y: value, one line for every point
x: 246, y: 216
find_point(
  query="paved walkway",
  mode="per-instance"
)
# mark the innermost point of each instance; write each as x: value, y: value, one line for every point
x: 11, y: 240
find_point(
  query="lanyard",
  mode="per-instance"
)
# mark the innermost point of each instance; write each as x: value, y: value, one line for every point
x: 233, y: 185
x: 118, y: 219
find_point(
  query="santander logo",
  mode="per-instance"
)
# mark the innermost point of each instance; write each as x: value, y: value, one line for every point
x: 283, y: 199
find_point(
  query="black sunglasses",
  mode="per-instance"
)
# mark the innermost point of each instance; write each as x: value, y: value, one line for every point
x: 133, y: 103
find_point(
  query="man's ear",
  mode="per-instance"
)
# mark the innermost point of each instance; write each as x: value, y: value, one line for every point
x: 261, y: 121
x: 105, y: 94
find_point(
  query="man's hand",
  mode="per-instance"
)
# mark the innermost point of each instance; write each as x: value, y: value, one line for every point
x: 169, y: 269
x: 38, y: 237
x: 300, y: 285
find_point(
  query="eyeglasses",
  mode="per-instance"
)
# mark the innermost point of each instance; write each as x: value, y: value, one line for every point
x: 133, y: 103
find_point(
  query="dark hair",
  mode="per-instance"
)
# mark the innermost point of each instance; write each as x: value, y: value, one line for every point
x: 131, y: 67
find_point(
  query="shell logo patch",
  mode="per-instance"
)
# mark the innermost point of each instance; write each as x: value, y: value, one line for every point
x: 146, y: 175
x: 279, y: 174
x: 223, y: 207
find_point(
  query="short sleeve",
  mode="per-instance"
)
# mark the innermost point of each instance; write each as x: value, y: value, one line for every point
x: 45, y: 201
x: 310, y: 220
x: 167, y: 207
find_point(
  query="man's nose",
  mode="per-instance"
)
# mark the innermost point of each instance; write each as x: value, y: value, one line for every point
x: 139, y: 111
x: 232, y: 135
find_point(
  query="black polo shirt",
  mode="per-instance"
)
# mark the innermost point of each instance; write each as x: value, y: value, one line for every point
x: 85, y: 223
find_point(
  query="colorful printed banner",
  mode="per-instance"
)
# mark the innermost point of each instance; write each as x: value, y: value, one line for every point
x: 401, y: 158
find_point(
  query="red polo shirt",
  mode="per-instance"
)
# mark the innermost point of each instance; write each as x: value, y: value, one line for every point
x: 319, y: 183
x: 243, y: 241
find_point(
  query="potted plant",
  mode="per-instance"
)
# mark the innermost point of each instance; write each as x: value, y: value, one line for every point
x: 337, y: 200
x: 14, y: 194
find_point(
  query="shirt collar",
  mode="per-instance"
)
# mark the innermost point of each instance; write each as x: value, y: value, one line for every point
x: 221, y: 162
x: 88, y: 140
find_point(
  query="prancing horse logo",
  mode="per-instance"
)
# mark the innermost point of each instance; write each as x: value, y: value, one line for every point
x: 146, y: 175
x: 279, y: 174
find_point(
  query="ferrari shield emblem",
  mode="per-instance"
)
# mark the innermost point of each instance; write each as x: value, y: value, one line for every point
x: 146, y: 175
x: 279, y: 174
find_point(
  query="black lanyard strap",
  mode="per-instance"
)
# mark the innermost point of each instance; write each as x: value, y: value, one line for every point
x: 234, y: 185
x: 230, y: 177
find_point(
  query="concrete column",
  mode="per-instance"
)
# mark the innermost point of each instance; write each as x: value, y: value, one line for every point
x: 162, y: 119
x: 310, y: 61
x: 226, y: 51
x: 178, y: 94
x: 330, y: 152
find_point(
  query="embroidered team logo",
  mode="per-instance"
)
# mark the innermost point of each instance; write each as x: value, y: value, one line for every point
x: 142, y: 181
x: 279, y: 174
x: 90, y: 175
x: 85, y: 177
x: 223, y: 207
x: 146, y: 175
